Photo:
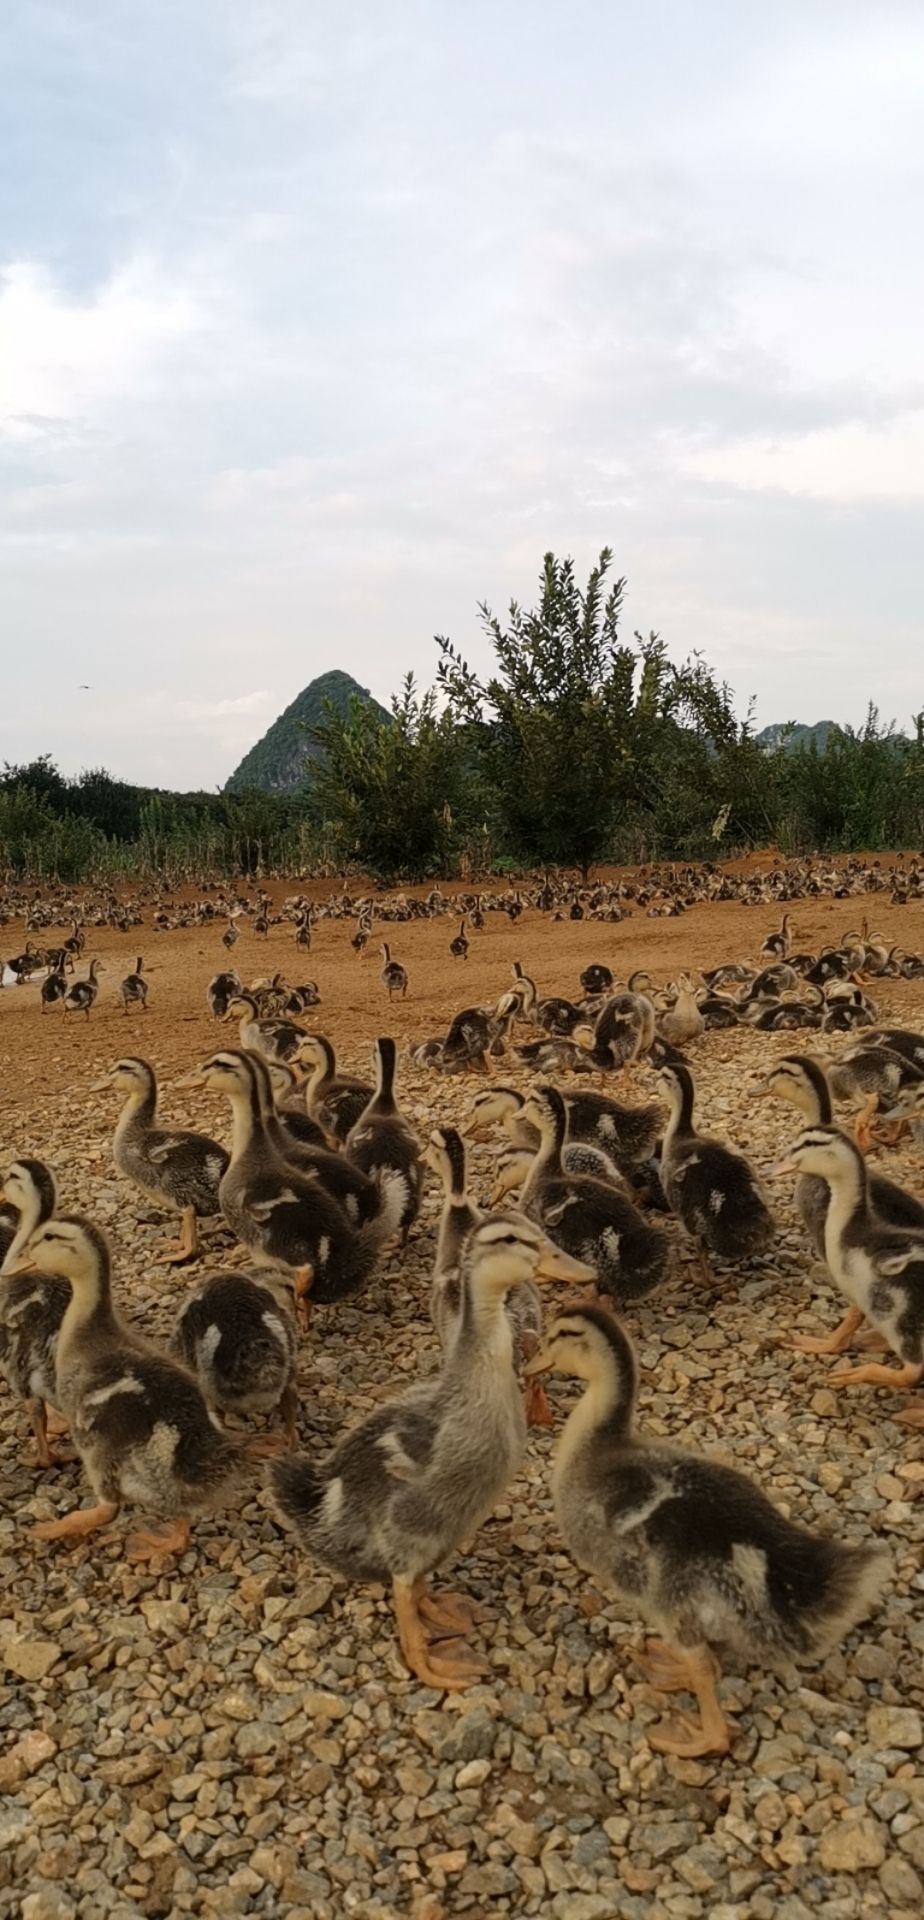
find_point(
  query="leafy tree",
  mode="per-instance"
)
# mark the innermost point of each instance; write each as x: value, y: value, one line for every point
x: 575, y: 725
x: 388, y: 792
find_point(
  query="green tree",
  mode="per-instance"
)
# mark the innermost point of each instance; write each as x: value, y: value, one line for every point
x: 387, y: 793
x: 575, y: 727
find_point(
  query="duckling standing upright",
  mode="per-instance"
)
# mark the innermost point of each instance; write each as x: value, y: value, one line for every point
x: 140, y: 1423
x: 694, y: 1545
x: 383, y: 1143
x: 420, y: 1475
x: 183, y: 1168
x: 32, y: 1307
x: 592, y: 1219
x: 712, y: 1189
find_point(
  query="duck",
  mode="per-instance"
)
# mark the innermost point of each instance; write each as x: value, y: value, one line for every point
x: 777, y: 945
x: 524, y: 986
x: 221, y: 990
x: 81, y: 996
x: 683, y: 1021
x: 237, y: 1333
x: 692, y: 1544
x: 334, y: 1100
x: 286, y: 1217
x: 711, y: 1189
x: 185, y: 1169
x: 625, y: 1028
x: 880, y: 1075
x: 591, y: 1219
x: 878, y: 1267
x: 134, y: 988
x: 499, y: 1106
x: 360, y: 1197
x: 899, y: 1040
x: 276, y: 1039
x: 458, y: 946
x: 394, y: 977
x: 289, y: 1099
x: 514, y: 1164
x: 54, y: 985
x: 445, y: 1154
x: 32, y: 1306
x: 383, y: 1144
x: 596, y: 979
x: 560, y: 1056
x: 419, y: 1475
x: 802, y: 1081
x: 139, y: 1420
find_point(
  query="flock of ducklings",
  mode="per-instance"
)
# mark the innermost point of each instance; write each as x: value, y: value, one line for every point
x: 323, y: 1178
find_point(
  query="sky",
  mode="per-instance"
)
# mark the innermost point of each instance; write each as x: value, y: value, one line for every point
x: 320, y: 324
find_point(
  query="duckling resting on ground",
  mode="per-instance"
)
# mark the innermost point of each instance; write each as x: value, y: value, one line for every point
x: 694, y: 1545
x: 139, y: 1421
x: 420, y: 1475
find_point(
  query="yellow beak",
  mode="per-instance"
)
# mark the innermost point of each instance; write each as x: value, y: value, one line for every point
x: 779, y: 1167
x: 198, y: 1078
x: 541, y: 1362
x: 555, y: 1265
x: 23, y: 1265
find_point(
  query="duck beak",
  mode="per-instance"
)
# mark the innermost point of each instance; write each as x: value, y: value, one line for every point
x: 194, y: 1079
x: 541, y: 1362
x: 553, y: 1264
x: 22, y: 1265
x: 471, y: 1129
x: 779, y: 1167
x: 101, y: 1086
x: 499, y: 1192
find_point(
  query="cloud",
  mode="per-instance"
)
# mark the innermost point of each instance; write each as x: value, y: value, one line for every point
x: 851, y: 463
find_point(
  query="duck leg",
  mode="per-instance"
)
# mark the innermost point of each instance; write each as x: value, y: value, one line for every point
x: 536, y: 1405
x: 448, y: 1665
x: 873, y: 1376
x: 74, y: 1525
x: 455, y: 1613
x: 175, y: 1252
x: 863, y: 1124
x: 304, y: 1281
x: 43, y: 1418
x: 155, y: 1546
x: 681, y: 1735
x: 835, y: 1342
x: 913, y: 1416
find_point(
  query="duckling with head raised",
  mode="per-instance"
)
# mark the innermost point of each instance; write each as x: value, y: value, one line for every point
x: 418, y: 1476
x: 183, y: 1168
x: 32, y: 1306
x: 383, y: 1144
x: 694, y: 1545
x: 712, y: 1189
x: 801, y: 1080
x: 139, y: 1421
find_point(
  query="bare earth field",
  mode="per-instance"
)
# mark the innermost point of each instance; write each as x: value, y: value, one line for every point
x: 237, y: 1734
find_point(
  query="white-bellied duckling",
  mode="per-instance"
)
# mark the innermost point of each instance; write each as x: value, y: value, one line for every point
x: 335, y: 1100
x: 624, y: 1029
x: 710, y: 1188
x: 383, y: 1143
x: 139, y: 1421
x: 899, y: 1040
x: 32, y: 1306
x: 801, y: 1080
x: 420, y: 1475
x: 591, y: 1219
x: 237, y: 1333
x: 286, y: 1217
x: 178, y: 1166
x: 133, y: 989
x: 445, y: 1153
x: 694, y: 1545
x: 80, y: 997
x: 393, y: 976
x: 682, y: 1021
x: 879, y: 1268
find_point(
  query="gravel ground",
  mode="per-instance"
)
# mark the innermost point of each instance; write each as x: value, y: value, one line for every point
x: 237, y: 1734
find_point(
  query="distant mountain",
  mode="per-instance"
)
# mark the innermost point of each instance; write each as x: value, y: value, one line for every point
x: 798, y: 735
x: 277, y: 763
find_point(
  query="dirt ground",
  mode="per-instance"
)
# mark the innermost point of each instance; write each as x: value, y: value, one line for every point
x: 43, y: 1054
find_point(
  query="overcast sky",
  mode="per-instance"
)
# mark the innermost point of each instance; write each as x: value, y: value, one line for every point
x: 320, y: 323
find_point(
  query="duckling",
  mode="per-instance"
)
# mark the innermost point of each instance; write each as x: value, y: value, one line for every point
x: 899, y: 1040
x: 445, y: 1153
x: 625, y: 1028
x: 236, y: 1332
x: 803, y: 1082
x: 683, y: 1021
x: 513, y: 1166
x: 383, y: 1143
x: 880, y: 1268
x: 879, y: 1074
x: 287, y: 1218
x: 628, y: 1134
x: 54, y: 985
x: 466, y: 1044
x: 289, y: 1096
x: 712, y: 1189
x: 421, y: 1474
x: 459, y: 946
x: 777, y: 945
x: 589, y: 1218
x: 560, y: 1056
x: 139, y: 1421
x: 221, y: 990
x: 694, y: 1545
x: 31, y: 1307
x: 393, y: 976
x: 360, y: 1197
x: 275, y: 1039
x: 134, y: 988
x: 559, y: 1017
x: 183, y: 1168
x: 596, y: 979
x: 525, y: 989
x: 80, y: 997
x: 500, y: 1106
x: 335, y: 1100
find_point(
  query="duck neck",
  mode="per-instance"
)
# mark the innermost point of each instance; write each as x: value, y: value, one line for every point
x: 138, y: 1113
x: 680, y: 1123
x: 383, y: 1099
x: 849, y: 1203
x: 89, y: 1311
x: 246, y: 1121
x: 485, y: 1338
x: 607, y: 1406
x: 31, y: 1216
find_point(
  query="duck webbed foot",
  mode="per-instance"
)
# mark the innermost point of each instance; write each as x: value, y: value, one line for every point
x: 875, y: 1376
x: 830, y: 1342
x: 454, y: 1613
x: 46, y: 1421
x: 912, y: 1416
x: 174, y: 1253
x: 75, y: 1525
x: 698, y: 1671
x: 448, y: 1663
x: 157, y: 1546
